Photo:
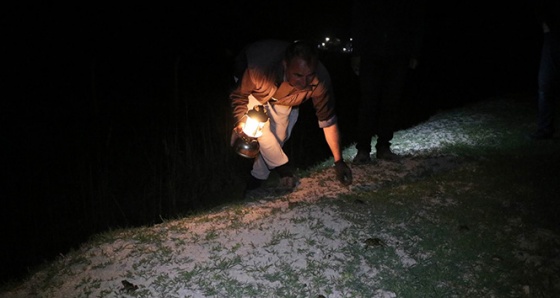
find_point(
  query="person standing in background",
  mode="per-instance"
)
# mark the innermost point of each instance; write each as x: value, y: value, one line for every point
x: 548, y: 16
x: 387, y: 38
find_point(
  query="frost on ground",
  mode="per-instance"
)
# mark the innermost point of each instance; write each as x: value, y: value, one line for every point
x: 313, y: 242
x: 291, y: 246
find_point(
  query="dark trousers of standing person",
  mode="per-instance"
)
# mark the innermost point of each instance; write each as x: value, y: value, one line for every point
x: 549, y: 85
x: 382, y: 81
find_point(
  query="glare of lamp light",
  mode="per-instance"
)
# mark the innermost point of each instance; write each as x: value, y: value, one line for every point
x: 256, y: 119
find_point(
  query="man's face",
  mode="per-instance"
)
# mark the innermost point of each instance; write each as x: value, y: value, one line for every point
x: 299, y: 74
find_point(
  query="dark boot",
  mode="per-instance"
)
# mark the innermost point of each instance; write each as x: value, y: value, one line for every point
x: 284, y: 170
x: 288, y: 180
x: 385, y: 153
x: 253, y: 183
x: 362, y: 157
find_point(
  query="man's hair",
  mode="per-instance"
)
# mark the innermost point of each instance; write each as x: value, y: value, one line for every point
x: 301, y: 49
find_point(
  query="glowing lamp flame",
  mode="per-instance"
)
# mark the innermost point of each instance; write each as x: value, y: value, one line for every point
x: 256, y: 119
x: 247, y: 144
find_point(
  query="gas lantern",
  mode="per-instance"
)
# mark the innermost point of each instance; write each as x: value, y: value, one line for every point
x: 247, y: 144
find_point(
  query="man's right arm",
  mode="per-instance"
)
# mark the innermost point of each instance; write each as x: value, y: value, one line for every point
x: 239, y: 106
x: 240, y: 98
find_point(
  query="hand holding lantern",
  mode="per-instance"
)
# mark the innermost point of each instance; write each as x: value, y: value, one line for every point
x: 246, y: 143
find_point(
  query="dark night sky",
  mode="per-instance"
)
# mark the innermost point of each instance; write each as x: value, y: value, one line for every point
x: 110, y: 28
x: 52, y: 48
x: 46, y: 37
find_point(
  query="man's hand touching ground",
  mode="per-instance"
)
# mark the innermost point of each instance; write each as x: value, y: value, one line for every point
x: 343, y: 172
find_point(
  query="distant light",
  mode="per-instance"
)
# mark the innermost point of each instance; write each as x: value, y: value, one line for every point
x: 327, y: 39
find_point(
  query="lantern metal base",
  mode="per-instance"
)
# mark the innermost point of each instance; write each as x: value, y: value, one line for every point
x: 246, y: 146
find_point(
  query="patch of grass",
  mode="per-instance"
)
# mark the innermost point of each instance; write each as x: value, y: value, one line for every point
x: 472, y: 222
x: 487, y: 226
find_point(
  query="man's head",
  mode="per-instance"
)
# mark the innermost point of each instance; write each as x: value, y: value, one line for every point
x: 300, y: 62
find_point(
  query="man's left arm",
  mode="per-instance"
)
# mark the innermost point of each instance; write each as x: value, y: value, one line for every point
x: 343, y: 172
x: 332, y: 137
x: 323, y: 102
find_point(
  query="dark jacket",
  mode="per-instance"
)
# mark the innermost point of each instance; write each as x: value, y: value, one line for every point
x: 387, y: 27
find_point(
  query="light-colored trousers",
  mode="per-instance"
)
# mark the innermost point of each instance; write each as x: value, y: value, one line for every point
x: 281, y: 121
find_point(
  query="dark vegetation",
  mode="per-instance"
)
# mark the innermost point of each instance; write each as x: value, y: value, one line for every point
x: 137, y: 131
